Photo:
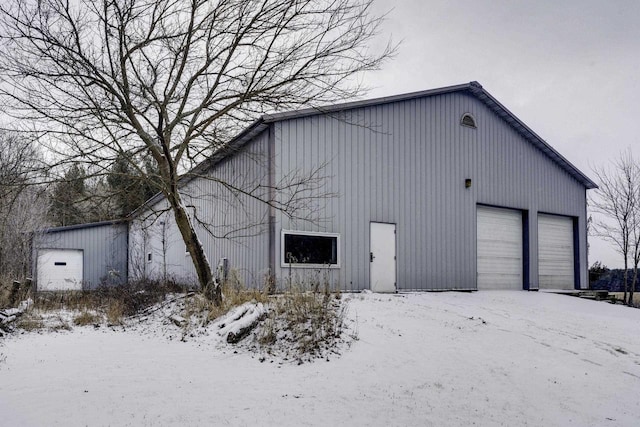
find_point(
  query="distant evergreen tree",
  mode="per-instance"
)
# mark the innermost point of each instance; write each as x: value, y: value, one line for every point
x: 596, y: 271
x: 129, y: 186
x: 67, y: 197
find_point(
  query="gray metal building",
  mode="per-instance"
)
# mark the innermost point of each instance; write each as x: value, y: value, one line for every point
x: 436, y: 190
x: 80, y: 257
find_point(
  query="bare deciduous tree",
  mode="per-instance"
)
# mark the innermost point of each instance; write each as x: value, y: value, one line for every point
x: 635, y: 234
x: 22, y: 204
x: 618, y: 200
x: 174, y: 78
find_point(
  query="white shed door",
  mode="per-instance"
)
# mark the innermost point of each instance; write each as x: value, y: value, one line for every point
x: 499, y: 248
x: 382, y: 257
x: 555, y: 252
x: 60, y: 270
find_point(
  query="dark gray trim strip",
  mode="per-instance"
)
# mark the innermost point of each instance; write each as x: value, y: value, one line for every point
x: 82, y: 226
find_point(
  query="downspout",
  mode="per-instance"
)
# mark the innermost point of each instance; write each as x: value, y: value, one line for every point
x: 126, y: 267
x: 586, y: 244
x: 272, y: 211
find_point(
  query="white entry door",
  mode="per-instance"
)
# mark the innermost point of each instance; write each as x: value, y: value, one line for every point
x: 382, y: 257
x: 60, y: 270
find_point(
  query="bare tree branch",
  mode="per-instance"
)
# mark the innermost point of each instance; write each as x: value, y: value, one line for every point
x: 93, y: 79
x: 617, y: 200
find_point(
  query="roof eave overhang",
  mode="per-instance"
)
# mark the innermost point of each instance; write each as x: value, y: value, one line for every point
x: 474, y: 88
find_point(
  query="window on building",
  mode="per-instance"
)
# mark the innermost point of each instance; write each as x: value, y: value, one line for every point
x: 149, y: 257
x: 309, y: 249
x: 468, y: 120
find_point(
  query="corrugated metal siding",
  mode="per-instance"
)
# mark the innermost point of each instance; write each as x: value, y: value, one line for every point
x: 406, y: 163
x: 105, y: 251
x: 235, y: 223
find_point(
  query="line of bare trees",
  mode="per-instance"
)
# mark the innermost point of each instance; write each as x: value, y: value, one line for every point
x: 23, y: 206
x: 617, y: 201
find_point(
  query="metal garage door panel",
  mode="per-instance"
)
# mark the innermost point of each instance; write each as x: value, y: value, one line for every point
x: 60, y: 270
x: 499, y: 248
x: 555, y: 252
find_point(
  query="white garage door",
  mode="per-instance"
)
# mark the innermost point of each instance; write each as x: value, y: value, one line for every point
x: 555, y: 252
x: 60, y: 270
x: 499, y: 248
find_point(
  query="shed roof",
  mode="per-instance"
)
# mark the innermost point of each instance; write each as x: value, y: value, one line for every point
x: 82, y: 226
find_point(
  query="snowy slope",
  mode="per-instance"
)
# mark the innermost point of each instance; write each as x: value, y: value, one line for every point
x: 455, y: 359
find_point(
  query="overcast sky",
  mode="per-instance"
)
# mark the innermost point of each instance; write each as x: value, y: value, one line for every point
x: 569, y: 69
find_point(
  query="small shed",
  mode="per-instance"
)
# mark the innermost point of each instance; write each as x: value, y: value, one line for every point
x: 80, y: 257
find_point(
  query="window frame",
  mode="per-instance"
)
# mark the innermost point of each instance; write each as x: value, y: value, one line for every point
x: 472, y: 117
x: 283, y: 262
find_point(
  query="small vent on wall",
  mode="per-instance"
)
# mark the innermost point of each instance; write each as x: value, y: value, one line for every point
x: 468, y: 121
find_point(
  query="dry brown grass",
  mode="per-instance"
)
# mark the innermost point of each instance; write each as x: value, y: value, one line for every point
x: 30, y: 322
x: 86, y: 318
x: 111, y: 303
x: 130, y: 298
x: 619, y: 295
x: 58, y: 323
x: 234, y: 294
x: 115, y: 312
x: 268, y: 335
x: 33, y: 320
x: 303, y: 324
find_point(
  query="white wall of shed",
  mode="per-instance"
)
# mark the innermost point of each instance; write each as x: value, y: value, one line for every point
x: 229, y: 223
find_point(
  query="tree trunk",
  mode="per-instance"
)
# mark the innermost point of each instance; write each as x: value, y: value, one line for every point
x: 626, y: 280
x: 208, y: 285
x: 633, y: 284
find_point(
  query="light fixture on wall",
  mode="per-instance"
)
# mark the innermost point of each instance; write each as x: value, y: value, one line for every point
x: 467, y: 183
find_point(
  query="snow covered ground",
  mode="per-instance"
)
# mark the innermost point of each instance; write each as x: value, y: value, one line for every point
x: 441, y: 359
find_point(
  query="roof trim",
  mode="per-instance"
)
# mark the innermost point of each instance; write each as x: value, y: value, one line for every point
x: 82, y: 226
x: 270, y: 118
x: 253, y: 130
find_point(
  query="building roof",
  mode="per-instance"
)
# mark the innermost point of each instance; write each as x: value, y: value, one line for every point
x: 473, y: 88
